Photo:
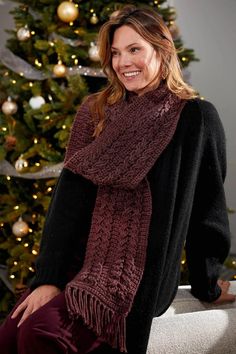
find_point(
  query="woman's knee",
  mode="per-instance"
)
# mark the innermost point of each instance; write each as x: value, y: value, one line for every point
x: 32, y: 336
x: 31, y: 329
x: 37, y: 335
x: 45, y: 320
x: 45, y: 324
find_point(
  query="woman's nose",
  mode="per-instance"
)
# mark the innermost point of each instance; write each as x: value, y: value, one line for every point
x: 124, y: 60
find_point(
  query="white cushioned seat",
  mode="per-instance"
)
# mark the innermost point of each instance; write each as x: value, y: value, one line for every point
x: 190, y: 326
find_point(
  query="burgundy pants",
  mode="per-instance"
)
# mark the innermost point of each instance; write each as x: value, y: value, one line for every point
x: 49, y: 330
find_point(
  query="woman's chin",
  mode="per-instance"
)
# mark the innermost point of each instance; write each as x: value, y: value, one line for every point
x: 132, y: 87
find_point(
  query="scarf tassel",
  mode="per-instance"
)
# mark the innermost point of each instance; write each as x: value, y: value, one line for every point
x: 107, y: 324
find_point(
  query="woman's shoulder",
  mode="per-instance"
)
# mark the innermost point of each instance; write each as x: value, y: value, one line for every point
x: 201, y: 113
x: 199, y: 106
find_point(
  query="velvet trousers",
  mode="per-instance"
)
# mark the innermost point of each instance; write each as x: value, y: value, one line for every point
x: 48, y: 330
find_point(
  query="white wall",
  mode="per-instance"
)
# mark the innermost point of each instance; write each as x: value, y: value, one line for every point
x: 6, y: 21
x: 209, y: 27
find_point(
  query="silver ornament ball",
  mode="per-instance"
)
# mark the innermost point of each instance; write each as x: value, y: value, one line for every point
x: 20, y: 228
x: 23, y: 34
x: 93, y: 52
x: 36, y: 102
x: 20, y: 164
x: 9, y: 107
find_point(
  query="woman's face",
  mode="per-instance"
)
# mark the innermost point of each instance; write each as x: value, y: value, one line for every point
x: 134, y: 60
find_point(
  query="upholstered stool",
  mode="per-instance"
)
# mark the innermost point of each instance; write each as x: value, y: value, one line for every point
x: 190, y: 326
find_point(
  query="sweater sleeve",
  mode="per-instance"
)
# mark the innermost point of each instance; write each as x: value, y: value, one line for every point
x: 208, y: 239
x: 66, y: 230
x: 69, y: 215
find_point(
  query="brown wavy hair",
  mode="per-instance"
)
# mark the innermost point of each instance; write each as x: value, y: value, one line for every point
x: 149, y: 25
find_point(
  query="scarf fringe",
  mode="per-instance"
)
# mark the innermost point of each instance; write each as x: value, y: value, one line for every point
x: 108, y: 325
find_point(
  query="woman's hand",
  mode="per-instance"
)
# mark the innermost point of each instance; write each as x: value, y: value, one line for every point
x: 39, y: 297
x: 225, y: 296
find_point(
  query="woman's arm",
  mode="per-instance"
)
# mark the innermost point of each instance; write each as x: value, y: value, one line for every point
x: 208, y: 240
x: 68, y: 218
x: 66, y: 229
x: 64, y: 236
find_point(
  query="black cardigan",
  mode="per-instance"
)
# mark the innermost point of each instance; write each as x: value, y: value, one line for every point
x: 188, y: 207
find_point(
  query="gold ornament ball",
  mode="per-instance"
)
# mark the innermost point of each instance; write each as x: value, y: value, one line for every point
x: 23, y: 34
x: 20, y: 164
x: 67, y: 11
x: 59, y: 70
x: 20, y: 228
x: 9, y: 107
x: 94, y: 19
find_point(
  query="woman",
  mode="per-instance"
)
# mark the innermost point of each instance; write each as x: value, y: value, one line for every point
x: 143, y: 175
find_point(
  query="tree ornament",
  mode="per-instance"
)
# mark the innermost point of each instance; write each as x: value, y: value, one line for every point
x: 67, y: 11
x: 93, y: 52
x: 59, y: 69
x: 94, y: 19
x: 10, y: 142
x: 20, y: 164
x: 20, y: 228
x: 36, y: 102
x: 23, y: 34
x: 9, y: 107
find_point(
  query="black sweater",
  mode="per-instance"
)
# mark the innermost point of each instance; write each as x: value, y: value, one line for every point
x: 188, y: 207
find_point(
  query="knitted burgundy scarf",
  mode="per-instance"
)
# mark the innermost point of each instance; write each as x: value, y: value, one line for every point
x: 137, y: 131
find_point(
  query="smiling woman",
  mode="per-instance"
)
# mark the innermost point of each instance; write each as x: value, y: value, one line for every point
x: 142, y: 177
x: 134, y: 60
x: 137, y: 53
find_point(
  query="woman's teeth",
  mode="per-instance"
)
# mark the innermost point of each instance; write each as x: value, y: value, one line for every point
x: 132, y: 73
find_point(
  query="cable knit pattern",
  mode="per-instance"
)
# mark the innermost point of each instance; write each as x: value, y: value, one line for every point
x: 137, y: 130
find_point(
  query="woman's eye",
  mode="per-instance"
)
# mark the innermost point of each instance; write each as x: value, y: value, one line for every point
x: 134, y: 50
x: 114, y: 54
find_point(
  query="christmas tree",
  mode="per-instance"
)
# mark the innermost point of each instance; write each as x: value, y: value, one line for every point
x: 49, y: 64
